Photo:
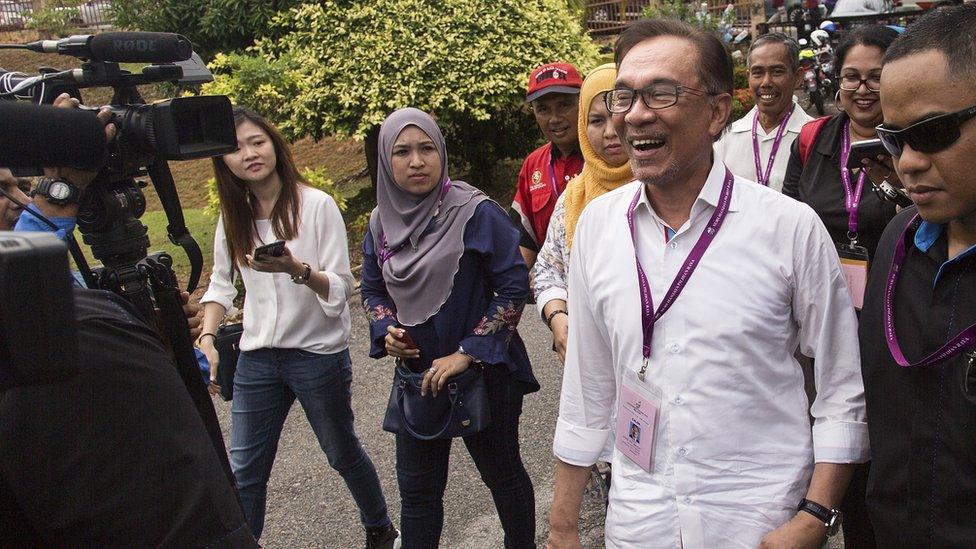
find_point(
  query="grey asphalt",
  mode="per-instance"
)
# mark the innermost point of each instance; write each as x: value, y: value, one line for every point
x: 310, y: 506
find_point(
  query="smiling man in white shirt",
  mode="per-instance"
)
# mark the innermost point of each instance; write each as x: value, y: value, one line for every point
x: 681, y: 353
x: 757, y: 146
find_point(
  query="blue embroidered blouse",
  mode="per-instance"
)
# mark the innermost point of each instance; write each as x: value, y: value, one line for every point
x: 483, y: 310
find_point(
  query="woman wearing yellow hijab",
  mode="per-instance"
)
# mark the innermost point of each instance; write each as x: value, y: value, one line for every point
x: 604, y: 170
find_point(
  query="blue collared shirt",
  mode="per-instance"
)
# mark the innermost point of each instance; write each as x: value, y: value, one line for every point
x: 925, y: 237
x: 28, y: 222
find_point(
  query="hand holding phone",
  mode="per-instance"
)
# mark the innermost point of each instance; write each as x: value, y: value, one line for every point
x: 275, y: 249
x: 869, y: 148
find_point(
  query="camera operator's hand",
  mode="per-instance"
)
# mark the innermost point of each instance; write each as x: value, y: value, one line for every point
x: 80, y: 178
x: 284, y: 263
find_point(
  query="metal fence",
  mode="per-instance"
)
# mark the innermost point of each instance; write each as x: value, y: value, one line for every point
x: 15, y: 15
x: 611, y: 16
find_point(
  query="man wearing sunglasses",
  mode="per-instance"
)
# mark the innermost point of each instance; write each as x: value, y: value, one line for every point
x: 918, y: 325
x: 689, y: 291
x: 9, y: 210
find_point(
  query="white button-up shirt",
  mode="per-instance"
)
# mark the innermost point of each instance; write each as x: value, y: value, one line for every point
x: 733, y: 452
x: 736, y: 150
x: 277, y: 312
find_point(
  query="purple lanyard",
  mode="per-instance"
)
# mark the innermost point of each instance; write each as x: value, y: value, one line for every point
x: 852, y: 196
x: 648, y: 315
x: 552, y: 174
x: 763, y: 177
x: 385, y: 252
x: 954, y: 346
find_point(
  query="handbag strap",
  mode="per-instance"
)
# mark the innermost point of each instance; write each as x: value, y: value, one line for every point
x: 452, y: 395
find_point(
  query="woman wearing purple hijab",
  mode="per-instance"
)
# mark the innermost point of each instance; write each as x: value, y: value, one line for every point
x: 444, y: 286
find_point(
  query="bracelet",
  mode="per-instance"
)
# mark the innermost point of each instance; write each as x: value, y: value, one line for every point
x: 199, y: 339
x: 303, y: 278
x: 553, y: 315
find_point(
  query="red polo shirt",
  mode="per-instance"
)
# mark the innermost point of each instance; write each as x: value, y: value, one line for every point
x: 536, y: 194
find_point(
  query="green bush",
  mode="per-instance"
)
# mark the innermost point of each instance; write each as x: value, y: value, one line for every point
x: 339, y: 68
x: 55, y: 19
x: 690, y: 12
x: 212, y: 25
x: 315, y: 177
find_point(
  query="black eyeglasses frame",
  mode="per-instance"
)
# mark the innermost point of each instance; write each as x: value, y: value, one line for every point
x: 894, y: 140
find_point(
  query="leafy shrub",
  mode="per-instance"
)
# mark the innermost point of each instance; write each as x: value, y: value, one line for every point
x: 691, y: 12
x: 212, y: 25
x: 315, y: 177
x: 55, y: 19
x: 338, y: 67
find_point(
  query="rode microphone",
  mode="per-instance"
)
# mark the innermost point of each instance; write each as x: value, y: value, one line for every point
x: 41, y: 135
x: 120, y: 47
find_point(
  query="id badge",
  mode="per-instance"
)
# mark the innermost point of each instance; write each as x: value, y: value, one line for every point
x: 637, y: 411
x: 854, y: 263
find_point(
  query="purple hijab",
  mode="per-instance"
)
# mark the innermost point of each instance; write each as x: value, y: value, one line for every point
x: 419, y: 240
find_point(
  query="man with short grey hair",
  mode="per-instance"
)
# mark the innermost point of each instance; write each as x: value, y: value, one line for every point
x: 757, y: 146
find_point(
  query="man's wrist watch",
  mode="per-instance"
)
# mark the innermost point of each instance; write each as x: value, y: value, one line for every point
x: 831, y: 518
x: 57, y: 191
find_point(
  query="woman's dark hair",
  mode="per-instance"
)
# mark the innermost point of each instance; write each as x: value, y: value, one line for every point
x: 238, y: 205
x: 715, y: 66
x: 878, y: 36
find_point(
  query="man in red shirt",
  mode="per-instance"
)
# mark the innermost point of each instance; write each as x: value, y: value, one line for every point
x: 553, y: 93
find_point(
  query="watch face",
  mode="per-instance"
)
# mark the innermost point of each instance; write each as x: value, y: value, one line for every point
x: 59, y: 191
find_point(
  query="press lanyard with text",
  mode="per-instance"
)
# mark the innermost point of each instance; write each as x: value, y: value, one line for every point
x: 648, y: 315
x: 385, y: 252
x: 852, y: 195
x: 957, y: 344
x: 762, y: 177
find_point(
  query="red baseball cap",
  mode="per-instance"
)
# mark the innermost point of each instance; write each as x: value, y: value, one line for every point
x: 553, y: 78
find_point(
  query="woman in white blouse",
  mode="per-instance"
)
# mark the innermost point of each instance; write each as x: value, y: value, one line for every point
x: 296, y: 322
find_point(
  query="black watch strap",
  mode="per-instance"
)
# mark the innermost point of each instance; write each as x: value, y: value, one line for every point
x: 829, y: 517
x: 65, y: 191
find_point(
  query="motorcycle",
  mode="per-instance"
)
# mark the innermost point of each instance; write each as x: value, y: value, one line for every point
x: 816, y: 61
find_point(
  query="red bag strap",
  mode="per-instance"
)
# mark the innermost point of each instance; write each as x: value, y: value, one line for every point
x: 808, y: 136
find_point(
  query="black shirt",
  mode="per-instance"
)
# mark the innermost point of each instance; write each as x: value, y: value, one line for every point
x: 116, y: 456
x: 922, y: 485
x: 819, y: 185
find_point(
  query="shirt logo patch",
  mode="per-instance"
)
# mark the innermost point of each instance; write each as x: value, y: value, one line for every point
x: 536, y: 180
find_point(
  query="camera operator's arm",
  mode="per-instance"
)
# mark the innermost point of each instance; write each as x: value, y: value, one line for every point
x: 64, y: 215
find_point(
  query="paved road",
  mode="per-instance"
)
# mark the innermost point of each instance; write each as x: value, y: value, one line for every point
x: 309, y: 505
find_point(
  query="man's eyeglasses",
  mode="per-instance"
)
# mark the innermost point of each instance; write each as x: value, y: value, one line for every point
x: 851, y: 82
x: 655, y: 96
x: 928, y: 136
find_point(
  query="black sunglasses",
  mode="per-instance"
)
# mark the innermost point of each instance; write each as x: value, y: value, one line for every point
x: 928, y: 136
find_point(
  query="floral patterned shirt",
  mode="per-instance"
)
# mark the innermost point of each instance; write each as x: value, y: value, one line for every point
x: 483, y: 310
x: 551, y: 271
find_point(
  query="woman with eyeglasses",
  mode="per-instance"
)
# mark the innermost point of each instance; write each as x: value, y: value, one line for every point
x: 844, y: 199
x: 443, y: 286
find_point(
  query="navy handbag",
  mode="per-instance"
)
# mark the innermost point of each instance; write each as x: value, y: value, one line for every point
x: 458, y: 410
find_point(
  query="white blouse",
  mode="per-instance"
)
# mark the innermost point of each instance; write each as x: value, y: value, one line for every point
x: 734, y: 450
x: 277, y: 312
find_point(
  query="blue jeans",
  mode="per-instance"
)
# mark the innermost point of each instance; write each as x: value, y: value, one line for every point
x: 422, y: 467
x: 265, y: 386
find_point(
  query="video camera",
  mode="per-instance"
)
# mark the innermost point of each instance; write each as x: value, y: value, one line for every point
x: 148, y: 135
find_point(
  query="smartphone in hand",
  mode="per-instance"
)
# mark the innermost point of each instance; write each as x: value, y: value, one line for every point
x: 869, y: 148
x: 275, y: 249
x: 411, y: 344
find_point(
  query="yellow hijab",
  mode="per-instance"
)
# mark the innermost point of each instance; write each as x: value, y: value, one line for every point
x: 597, y: 177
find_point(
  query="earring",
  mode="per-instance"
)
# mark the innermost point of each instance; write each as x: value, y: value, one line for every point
x: 837, y: 101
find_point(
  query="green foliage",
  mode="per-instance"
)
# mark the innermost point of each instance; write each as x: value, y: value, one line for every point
x: 339, y: 67
x: 212, y: 25
x: 55, y: 18
x: 740, y: 75
x: 690, y: 12
x: 314, y: 176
